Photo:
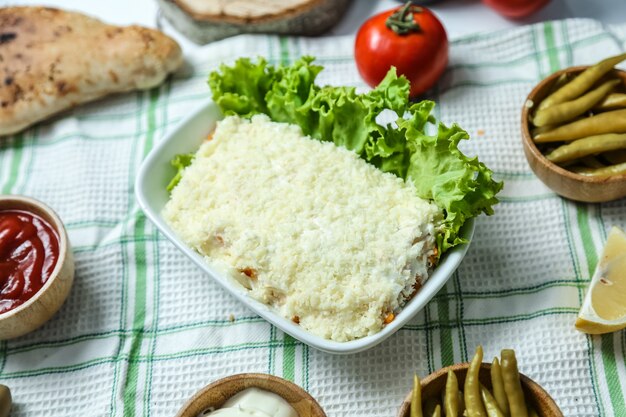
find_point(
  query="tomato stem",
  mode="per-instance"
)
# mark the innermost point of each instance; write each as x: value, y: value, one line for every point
x: 402, y: 21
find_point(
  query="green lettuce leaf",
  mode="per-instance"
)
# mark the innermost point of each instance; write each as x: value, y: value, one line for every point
x: 288, y: 98
x: 343, y: 118
x: 462, y: 186
x: 414, y: 147
x: 180, y: 162
x: 241, y: 89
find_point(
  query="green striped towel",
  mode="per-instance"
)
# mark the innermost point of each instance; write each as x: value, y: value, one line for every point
x: 143, y: 328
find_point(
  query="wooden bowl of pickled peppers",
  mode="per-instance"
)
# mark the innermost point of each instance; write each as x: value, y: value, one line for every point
x: 574, y: 131
x: 478, y: 389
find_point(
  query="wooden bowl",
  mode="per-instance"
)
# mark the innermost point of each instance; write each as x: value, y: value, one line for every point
x: 41, y: 306
x: 211, y: 20
x: 216, y: 394
x: 563, y: 182
x: 434, y: 383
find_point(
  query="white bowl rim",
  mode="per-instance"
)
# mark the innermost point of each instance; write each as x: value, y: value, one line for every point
x: 440, y: 275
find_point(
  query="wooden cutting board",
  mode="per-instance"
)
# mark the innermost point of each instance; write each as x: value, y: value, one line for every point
x: 205, y: 21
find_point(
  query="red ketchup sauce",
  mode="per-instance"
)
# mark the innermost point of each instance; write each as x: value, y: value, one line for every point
x: 29, y: 251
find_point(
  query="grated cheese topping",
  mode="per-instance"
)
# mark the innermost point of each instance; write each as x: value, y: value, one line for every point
x: 310, y: 229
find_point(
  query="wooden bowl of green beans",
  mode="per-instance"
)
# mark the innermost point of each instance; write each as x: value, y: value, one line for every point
x: 574, y: 131
x: 532, y: 400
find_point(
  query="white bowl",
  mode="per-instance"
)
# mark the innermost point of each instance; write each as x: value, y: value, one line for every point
x: 155, y: 174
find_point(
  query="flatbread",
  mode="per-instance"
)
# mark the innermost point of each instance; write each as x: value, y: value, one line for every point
x: 52, y: 60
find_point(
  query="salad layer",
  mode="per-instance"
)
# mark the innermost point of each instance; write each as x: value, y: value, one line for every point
x: 326, y: 239
x: 414, y: 147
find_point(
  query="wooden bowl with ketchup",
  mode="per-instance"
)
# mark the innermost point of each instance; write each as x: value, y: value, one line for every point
x: 36, y: 265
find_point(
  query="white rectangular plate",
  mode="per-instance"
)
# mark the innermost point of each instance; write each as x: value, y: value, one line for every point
x: 156, y: 172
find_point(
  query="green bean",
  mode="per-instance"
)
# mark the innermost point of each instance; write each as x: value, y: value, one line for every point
x: 461, y: 404
x: 451, y: 399
x: 592, y: 162
x: 589, y: 163
x: 617, y: 169
x: 437, y: 412
x: 513, y: 384
x: 560, y: 82
x: 429, y: 405
x: 611, y: 102
x: 498, y: 387
x: 491, y: 405
x: 416, y: 398
x: 471, y: 391
x: 5, y: 401
x: 588, y: 146
x: 609, y: 122
x: 543, y: 129
x: 568, y: 110
x: 582, y: 82
x: 578, y: 169
x: 615, y: 157
x: 563, y: 79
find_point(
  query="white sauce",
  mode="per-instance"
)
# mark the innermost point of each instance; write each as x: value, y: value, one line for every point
x: 254, y: 402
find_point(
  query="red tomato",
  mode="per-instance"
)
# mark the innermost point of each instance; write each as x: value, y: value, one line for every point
x: 420, y: 56
x: 516, y: 9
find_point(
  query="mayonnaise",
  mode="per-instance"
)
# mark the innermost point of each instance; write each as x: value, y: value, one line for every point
x: 255, y: 402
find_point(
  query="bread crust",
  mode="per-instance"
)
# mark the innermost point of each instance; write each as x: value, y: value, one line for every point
x: 52, y: 60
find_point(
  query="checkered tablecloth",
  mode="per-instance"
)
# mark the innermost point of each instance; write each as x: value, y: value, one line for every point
x: 143, y: 328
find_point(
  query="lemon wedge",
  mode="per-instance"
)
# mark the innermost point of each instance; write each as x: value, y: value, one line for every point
x: 604, y: 307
